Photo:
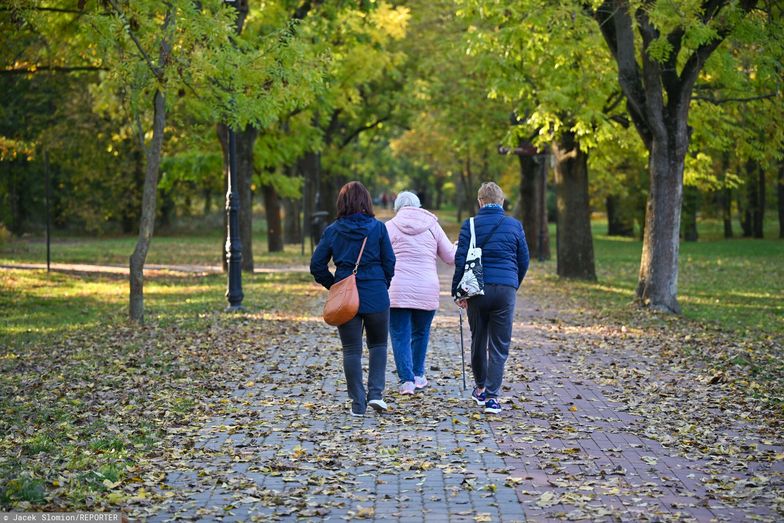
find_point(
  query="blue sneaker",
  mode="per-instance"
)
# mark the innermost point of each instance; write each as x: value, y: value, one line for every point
x: 492, y: 406
x: 478, y: 398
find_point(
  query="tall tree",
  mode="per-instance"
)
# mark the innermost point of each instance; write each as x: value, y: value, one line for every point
x: 158, y: 50
x: 657, y: 72
x: 522, y: 51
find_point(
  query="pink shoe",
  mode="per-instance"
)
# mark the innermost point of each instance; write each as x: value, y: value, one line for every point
x: 407, y: 387
x: 420, y: 382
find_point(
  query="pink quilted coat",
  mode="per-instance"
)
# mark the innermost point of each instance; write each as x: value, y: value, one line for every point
x: 417, y: 240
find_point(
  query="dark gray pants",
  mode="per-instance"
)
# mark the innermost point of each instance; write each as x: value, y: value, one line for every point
x: 376, y: 327
x: 490, y: 318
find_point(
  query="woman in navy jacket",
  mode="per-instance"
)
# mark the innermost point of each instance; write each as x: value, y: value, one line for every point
x: 490, y: 316
x: 341, y: 242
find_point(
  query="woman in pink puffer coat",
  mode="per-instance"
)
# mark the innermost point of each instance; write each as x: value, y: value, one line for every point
x: 417, y: 241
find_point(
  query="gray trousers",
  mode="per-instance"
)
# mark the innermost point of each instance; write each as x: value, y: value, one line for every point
x: 490, y: 318
x: 376, y: 326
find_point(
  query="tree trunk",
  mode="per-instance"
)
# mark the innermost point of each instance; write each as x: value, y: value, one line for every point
x: 292, y: 232
x: 574, y: 241
x: 245, y: 140
x: 533, y: 205
x: 690, y: 204
x: 744, y: 216
x: 309, y: 167
x: 167, y: 210
x: 781, y: 199
x: 657, y: 286
x: 439, y: 189
x: 207, y: 194
x: 759, y: 210
x: 620, y: 221
x: 147, y: 222
x: 725, y: 200
x: 329, y: 186
x: 14, y: 200
x: 274, y: 225
x: 468, y: 200
x: 752, y: 199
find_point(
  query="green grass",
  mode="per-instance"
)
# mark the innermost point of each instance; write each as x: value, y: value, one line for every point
x: 737, y: 284
x: 35, y: 305
x: 164, y: 250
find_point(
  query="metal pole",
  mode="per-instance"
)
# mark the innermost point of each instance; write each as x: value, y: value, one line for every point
x: 462, y: 345
x: 233, y: 244
x: 48, y: 198
x: 304, y: 213
x: 542, y: 197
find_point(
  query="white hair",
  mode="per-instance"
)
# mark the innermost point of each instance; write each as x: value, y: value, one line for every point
x: 489, y: 192
x: 406, y: 199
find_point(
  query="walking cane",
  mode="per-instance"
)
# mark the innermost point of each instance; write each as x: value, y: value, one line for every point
x: 462, y: 346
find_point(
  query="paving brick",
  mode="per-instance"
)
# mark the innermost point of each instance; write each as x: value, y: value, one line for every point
x: 559, y: 433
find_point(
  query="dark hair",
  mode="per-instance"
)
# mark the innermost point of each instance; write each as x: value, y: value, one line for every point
x: 354, y: 198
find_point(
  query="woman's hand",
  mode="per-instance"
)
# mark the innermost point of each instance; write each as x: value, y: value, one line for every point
x: 462, y: 303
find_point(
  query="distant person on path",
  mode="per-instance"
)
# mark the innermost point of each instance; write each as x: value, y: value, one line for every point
x: 418, y: 241
x: 490, y: 316
x: 341, y: 242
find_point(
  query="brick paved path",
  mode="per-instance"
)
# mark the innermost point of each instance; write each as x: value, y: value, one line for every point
x: 566, y: 447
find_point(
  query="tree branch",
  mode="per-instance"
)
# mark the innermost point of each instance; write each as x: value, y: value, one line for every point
x: 45, y: 9
x: 651, y: 77
x: 720, y: 101
x: 146, y: 57
x: 669, y: 68
x: 697, y: 60
x: 51, y: 69
x: 364, y: 128
x: 612, y: 101
x: 616, y: 26
x: 622, y: 120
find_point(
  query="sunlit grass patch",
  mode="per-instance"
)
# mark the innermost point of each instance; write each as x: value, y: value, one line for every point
x: 35, y: 304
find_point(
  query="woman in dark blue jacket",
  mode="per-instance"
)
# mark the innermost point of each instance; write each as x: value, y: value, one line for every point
x: 490, y: 316
x: 341, y: 242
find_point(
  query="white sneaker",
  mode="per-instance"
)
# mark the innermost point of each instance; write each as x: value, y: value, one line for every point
x: 407, y: 387
x: 420, y: 382
x: 378, y: 405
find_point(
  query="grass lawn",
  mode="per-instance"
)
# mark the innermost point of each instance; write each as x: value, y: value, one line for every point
x: 203, y: 249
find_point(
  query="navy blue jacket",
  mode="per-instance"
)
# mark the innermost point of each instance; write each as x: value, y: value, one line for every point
x: 504, y: 255
x: 341, y: 242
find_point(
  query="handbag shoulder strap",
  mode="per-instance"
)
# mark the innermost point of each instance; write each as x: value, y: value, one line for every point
x: 361, y: 250
x: 472, y: 244
x: 493, y: 231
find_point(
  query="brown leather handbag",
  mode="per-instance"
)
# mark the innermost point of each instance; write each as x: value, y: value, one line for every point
x: 343, y: 299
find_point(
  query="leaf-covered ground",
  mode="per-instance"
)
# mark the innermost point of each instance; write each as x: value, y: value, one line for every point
x: 245, y: 418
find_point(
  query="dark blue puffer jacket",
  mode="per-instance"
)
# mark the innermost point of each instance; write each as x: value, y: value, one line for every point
x: 504, y: 255
x: 341, y: 242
